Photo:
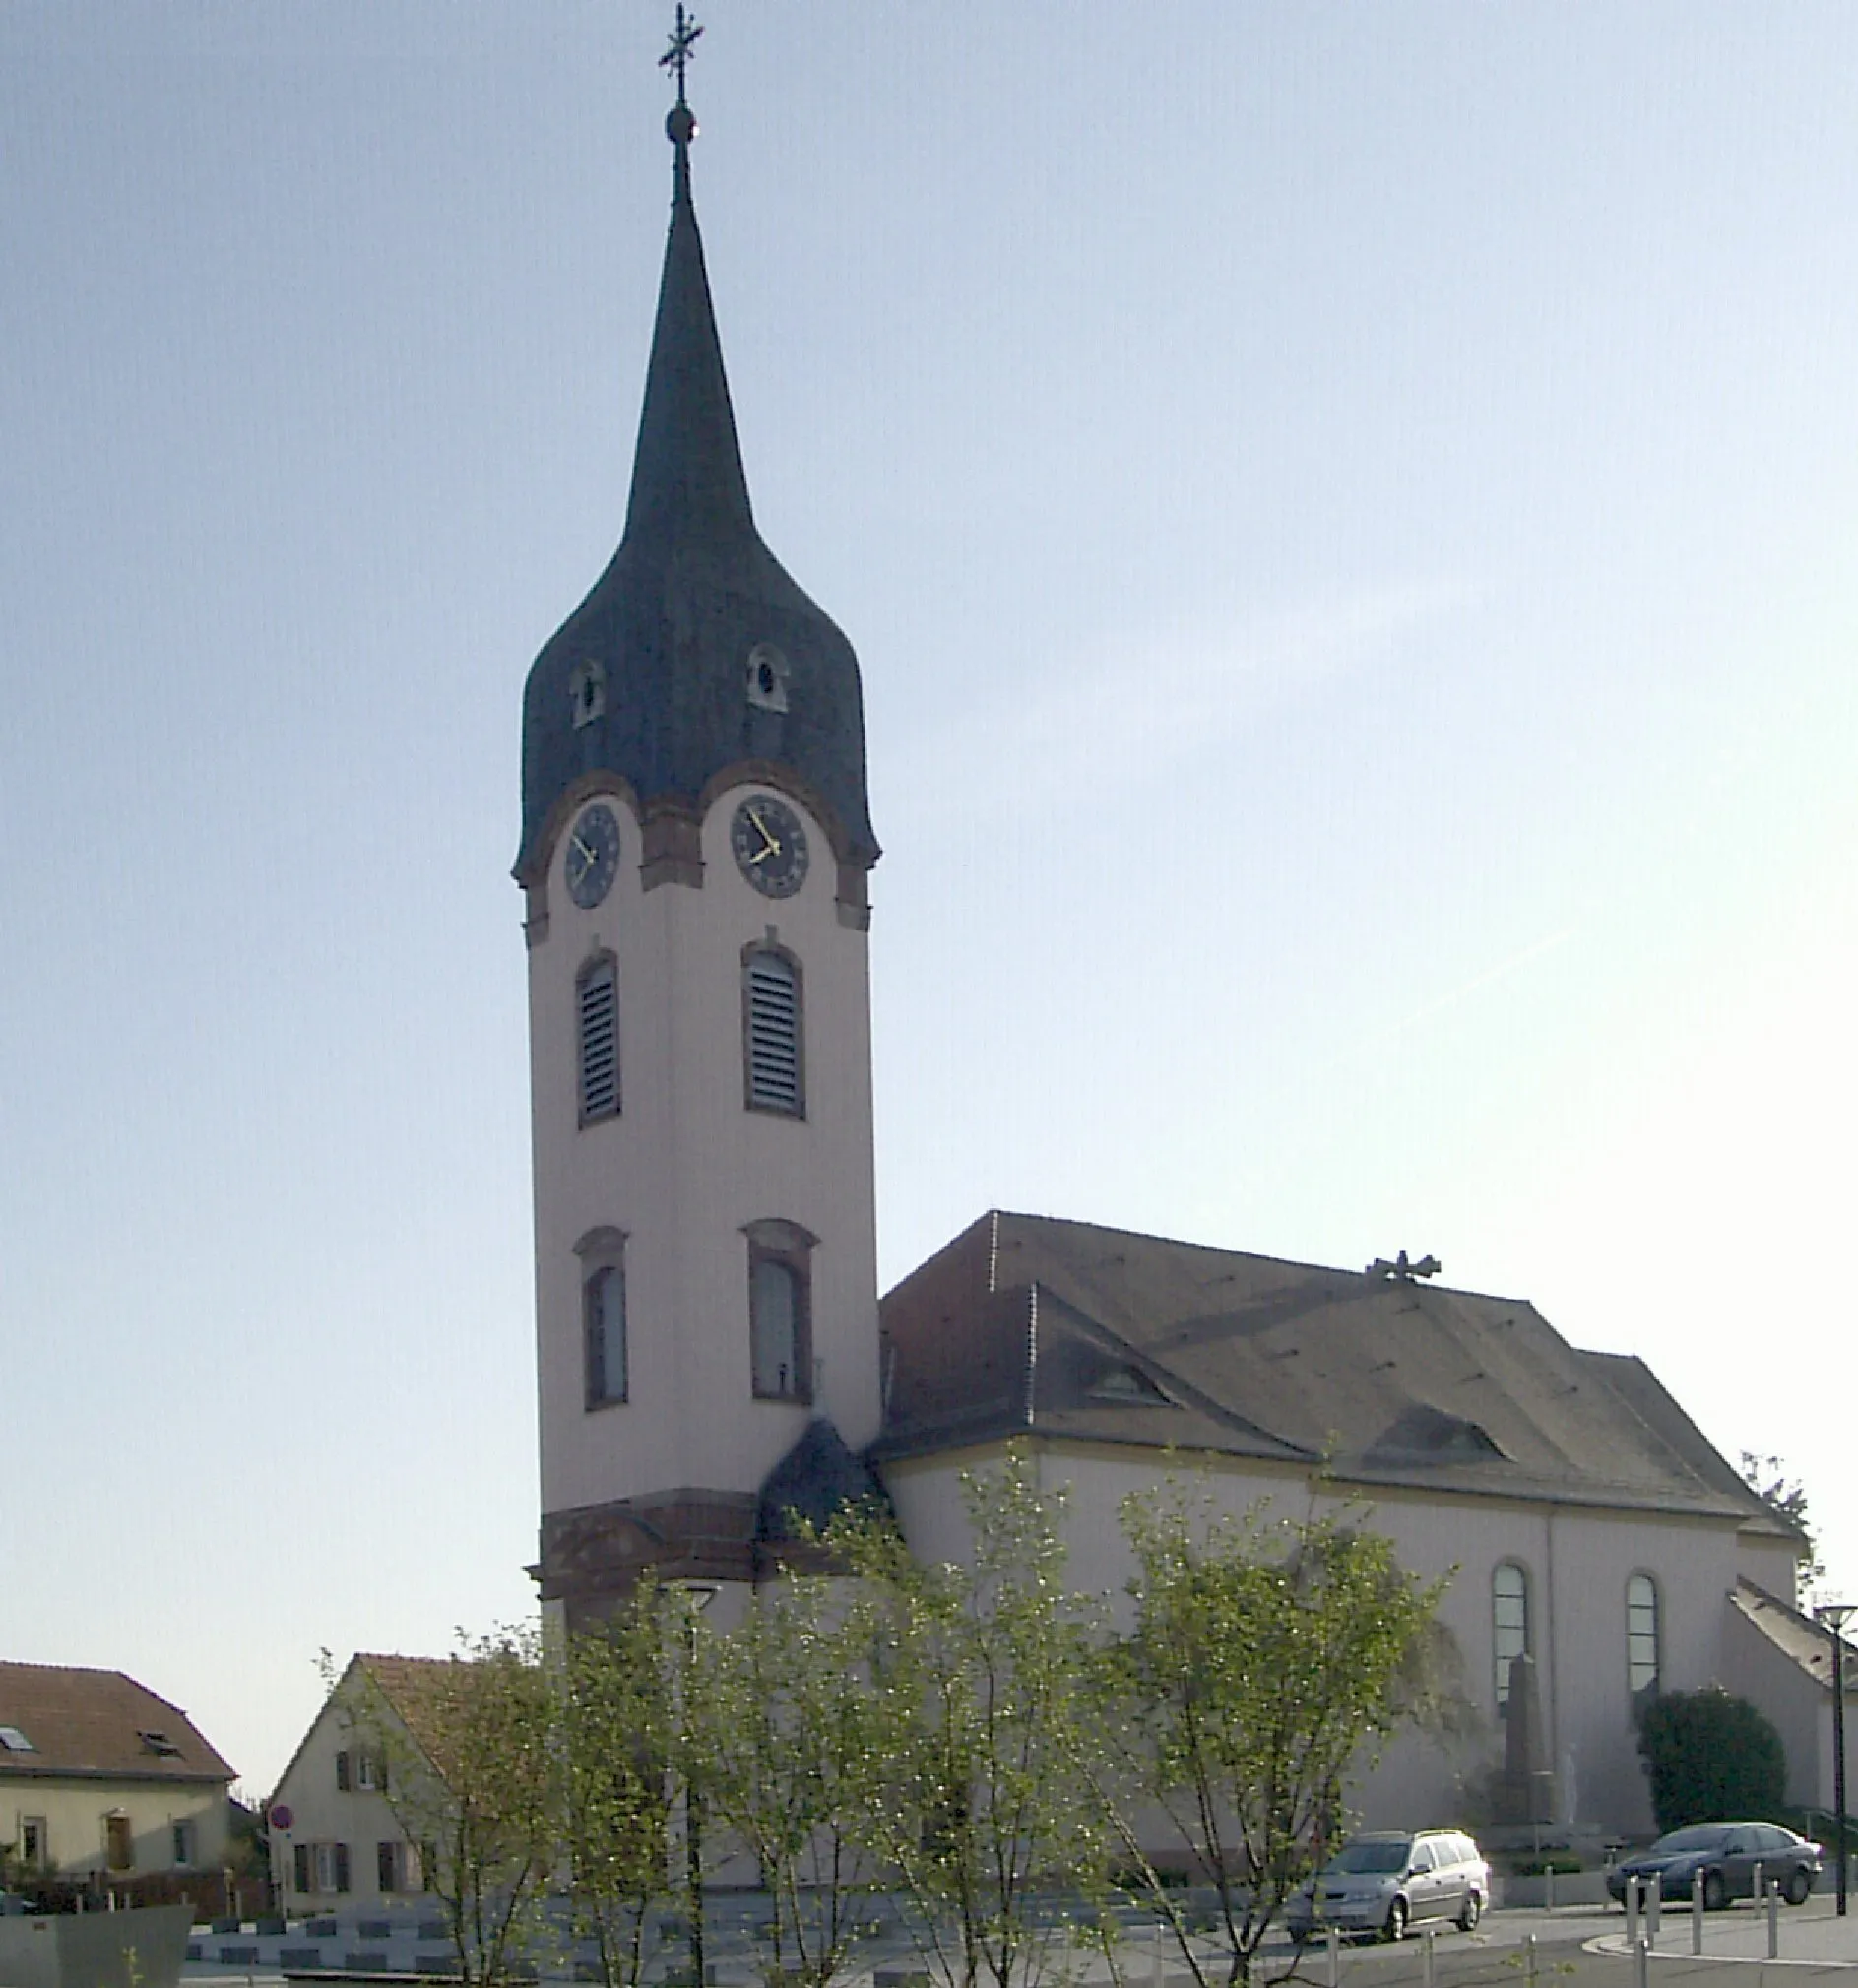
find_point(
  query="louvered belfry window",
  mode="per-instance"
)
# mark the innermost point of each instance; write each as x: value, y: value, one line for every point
x: 772, y: 1028
x: 597, y: 994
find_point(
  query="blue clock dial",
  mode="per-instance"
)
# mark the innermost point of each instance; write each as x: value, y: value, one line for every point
x: 593, y: 854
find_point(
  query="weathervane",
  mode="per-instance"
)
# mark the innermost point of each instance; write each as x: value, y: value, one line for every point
x: 683, y: 41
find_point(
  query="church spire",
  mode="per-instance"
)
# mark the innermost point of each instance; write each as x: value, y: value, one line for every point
x: 694, y: 653
x: 687, y: 477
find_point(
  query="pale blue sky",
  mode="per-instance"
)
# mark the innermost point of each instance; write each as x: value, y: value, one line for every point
x: 1347, y: 516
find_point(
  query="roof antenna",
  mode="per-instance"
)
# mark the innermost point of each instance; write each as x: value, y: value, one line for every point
x: 1401, y: 1271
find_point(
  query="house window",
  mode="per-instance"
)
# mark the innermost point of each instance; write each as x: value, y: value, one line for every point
x: 1509, y: 1622
x: 370, y: 1773
x: 183, y: 1833
x: 119, y: 1843
x: 597, y: 1006
x: 772, y: 1048
x: 602, y: 1316
x: 32, y: 1852
x: 332, y: 1867
x: 1641, y: 1633
x: 780, y: 1311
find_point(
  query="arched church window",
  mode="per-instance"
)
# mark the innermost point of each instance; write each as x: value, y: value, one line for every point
x: 597, y: 1008
x: 774, y: 1074
x: 1509, y: 1622
x: 1641, y: 1633
x: 602, y: 1316
x: 780, y: 1311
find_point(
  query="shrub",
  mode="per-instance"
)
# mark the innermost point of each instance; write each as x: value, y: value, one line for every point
x: 1711, y: 1758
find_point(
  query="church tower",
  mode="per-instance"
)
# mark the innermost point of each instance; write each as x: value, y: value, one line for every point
x: 695, y: 849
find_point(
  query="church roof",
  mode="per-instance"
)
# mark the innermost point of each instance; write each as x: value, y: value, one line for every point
x: 1029, y: 1326
x: 1794, y: 1634
x: 666, y: 634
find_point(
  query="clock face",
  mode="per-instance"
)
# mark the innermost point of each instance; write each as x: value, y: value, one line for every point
x: 769, y: 844
x: 593, y: 854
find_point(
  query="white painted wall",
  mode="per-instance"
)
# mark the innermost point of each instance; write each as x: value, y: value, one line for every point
x: 74, y: 1814
x: 1578, y: 1562
x: 685, y: 1166
x: 323, y: 1812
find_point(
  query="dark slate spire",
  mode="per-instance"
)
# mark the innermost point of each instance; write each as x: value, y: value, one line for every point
x: 649, y: 676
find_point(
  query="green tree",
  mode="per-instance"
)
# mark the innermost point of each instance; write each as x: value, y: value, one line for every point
x: 1786, y: 1497
x: 784, y: 1749
x: 619, y: 1749
x: 1265, y: 1658
x: 973, y: 1674
x: 1710, y: 1756
x: 469, y: 1758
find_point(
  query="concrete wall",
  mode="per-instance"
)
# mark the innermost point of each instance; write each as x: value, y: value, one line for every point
x: 1577, y: 1560
x: 96, y: 1949
x: 75, y: 1814
x: 685, y: 1167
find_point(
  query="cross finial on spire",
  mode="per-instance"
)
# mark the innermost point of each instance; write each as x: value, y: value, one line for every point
x: 683, y: 41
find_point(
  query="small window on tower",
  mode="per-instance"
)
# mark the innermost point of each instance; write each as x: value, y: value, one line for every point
x: 597, y: 1002
x: 603, y: 1254
x: 774, y: 1073
x: 780, y: 1311
x: 587, y: 693
x: 768, y: 672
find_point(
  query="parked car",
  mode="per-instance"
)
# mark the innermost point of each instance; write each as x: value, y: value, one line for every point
x: 1726, y: 1853
x: 1391, y: 1879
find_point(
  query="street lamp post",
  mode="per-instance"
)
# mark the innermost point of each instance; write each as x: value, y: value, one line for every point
x: 698, y: 1595
x: 1834, y: 1614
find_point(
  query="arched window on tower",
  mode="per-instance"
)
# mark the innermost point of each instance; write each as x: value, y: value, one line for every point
x: 597, y: 1017
x: 780, y: 1311
x: 1509, y: 1622
x: 773, y: 1031
x: 603, y: 1254
x: 1641, y: 1633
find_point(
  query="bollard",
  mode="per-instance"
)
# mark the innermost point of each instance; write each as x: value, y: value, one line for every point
x: 1547, y: 1886
x: 1696, y: 1911
x: 1640, y: 1968
x: 1528, y: 1951
x: 1154, y: 1965
x: 1655, y: 1902
x: 1426, y: 1958
x: 1761, y: 1886
x: 1773, y: 1919
x: 1631, y: 1911
x: 1335, y: 1958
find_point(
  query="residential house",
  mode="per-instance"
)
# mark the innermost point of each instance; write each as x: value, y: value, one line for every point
x: 336, y: 1835
x: 103, y: 1781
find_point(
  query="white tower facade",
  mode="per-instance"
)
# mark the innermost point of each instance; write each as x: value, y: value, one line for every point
x: 696, y: 844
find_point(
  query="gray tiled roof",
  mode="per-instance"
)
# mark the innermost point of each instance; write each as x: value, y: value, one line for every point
x: 1025, y: 1324
x: 1794, y: 1634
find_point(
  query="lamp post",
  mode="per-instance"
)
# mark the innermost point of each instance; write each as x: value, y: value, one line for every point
x: 1834, y: 1614
x: 698, y: 1595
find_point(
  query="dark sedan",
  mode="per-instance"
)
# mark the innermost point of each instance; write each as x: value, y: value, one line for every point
x: 1727, y: 1856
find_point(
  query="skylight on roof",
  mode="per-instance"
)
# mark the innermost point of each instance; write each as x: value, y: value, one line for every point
x: 16, y: 1741
x: 160, y: 1742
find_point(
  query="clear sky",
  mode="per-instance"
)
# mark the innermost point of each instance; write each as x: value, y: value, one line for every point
x: 1348, y: 518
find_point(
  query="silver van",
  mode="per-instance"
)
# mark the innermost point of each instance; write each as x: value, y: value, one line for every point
x: 1393, y: 1879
